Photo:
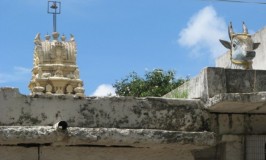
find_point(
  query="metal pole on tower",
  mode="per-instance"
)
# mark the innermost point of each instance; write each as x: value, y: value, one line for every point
x: 54, y: 7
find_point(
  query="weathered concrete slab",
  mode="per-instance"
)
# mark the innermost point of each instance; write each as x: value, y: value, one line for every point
x: 97, y: 153
x: 105, y: 137
x: 108, y: 112
x: 208, y: 83
x: 238, y: 103
x: 18, y: 153
x: 40, y: 152
x: 213, y: 81
x: 238, y: 124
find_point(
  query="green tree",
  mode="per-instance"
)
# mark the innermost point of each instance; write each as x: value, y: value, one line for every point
x: 154, y: 83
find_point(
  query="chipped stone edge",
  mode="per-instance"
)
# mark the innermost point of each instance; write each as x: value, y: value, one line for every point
x: 14, y: 92
x: 242, y: 98
x: 14, y: 135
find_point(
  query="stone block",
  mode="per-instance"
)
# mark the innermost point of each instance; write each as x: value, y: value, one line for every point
x: 257, y: 124
x: 216, y: 81
x: 234, y: 151
x: 208, y: 83
x: 106, y: 112
x: 239, y: 81
x: 232, y: 138
x: 214, y: 122
x: 259, y: 81
x: 113, y: 153
x: 224, y: 123
x: 238, y: 123
x: 205, y: 154
x: 213, y: 81
x: 231, y: 124
x: 105, y: 136
x: 237, y: 103
x: 18, y: 153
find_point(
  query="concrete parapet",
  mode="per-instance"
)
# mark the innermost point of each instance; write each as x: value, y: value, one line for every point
x: 75, y: 143
x: 238, y: 124
x: 75, y: 136
x: 18, y: 152
x: 213, y: 81
x: 107, y: 112
x: 72, y: 128
x: 113, y: 153
x: 207, y: 84
x: 238, y: 103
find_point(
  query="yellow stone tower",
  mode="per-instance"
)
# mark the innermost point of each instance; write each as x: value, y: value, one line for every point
x: 54, y: 66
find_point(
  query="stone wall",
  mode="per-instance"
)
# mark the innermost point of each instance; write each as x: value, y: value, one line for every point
x: 208, y: 83
x: 236, y: 100
x: 103, y: 128
x: 240, y: 136
x: 129, y: 128
x: 244, y: 103
x: 214, y: 81
x: 108, y: 112
x: 238, y: 124
x: 44, y: 143
x: 90, y: 152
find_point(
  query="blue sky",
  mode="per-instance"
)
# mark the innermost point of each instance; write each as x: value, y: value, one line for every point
x: 116, y: 37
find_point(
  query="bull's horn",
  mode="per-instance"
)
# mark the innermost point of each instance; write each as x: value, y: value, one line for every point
x: 230, y: 30
x: 245, y: 29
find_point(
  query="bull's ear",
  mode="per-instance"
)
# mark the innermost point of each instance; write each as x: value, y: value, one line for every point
x: 255, y: 45
x: 226, y: 44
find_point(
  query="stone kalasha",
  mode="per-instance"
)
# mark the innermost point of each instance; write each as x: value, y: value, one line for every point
x: 54, y: 67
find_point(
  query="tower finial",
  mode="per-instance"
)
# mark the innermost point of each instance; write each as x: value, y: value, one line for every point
x: 54, y: 7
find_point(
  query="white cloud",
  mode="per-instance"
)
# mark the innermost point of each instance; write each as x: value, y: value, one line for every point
x: 203, y: 32
x: 22, y: 70
x: 104, y: 90
x: 4, y: 78
x: 18, y: 74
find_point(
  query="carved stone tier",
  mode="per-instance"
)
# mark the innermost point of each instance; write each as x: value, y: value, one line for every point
x: 55, y: 70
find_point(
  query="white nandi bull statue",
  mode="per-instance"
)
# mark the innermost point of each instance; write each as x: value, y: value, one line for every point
x: 241, y: 48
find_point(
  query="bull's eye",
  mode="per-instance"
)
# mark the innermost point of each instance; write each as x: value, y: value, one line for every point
x: 234, y: 45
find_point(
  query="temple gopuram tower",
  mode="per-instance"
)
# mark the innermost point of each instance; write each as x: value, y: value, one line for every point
x: 55, y: 70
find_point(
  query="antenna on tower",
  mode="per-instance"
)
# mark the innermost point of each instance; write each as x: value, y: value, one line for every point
x: 54, y: 7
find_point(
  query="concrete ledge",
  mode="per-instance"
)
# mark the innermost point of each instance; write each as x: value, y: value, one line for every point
x: 208, y: 83
x: 238, y: 103
x: 212, y: 81
x: 106, y: 112
x: 232, y: 138
x: 112, y: 153
x: 11, y: 135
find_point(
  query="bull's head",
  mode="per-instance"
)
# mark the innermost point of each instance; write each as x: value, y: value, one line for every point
x: 241, y: 46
